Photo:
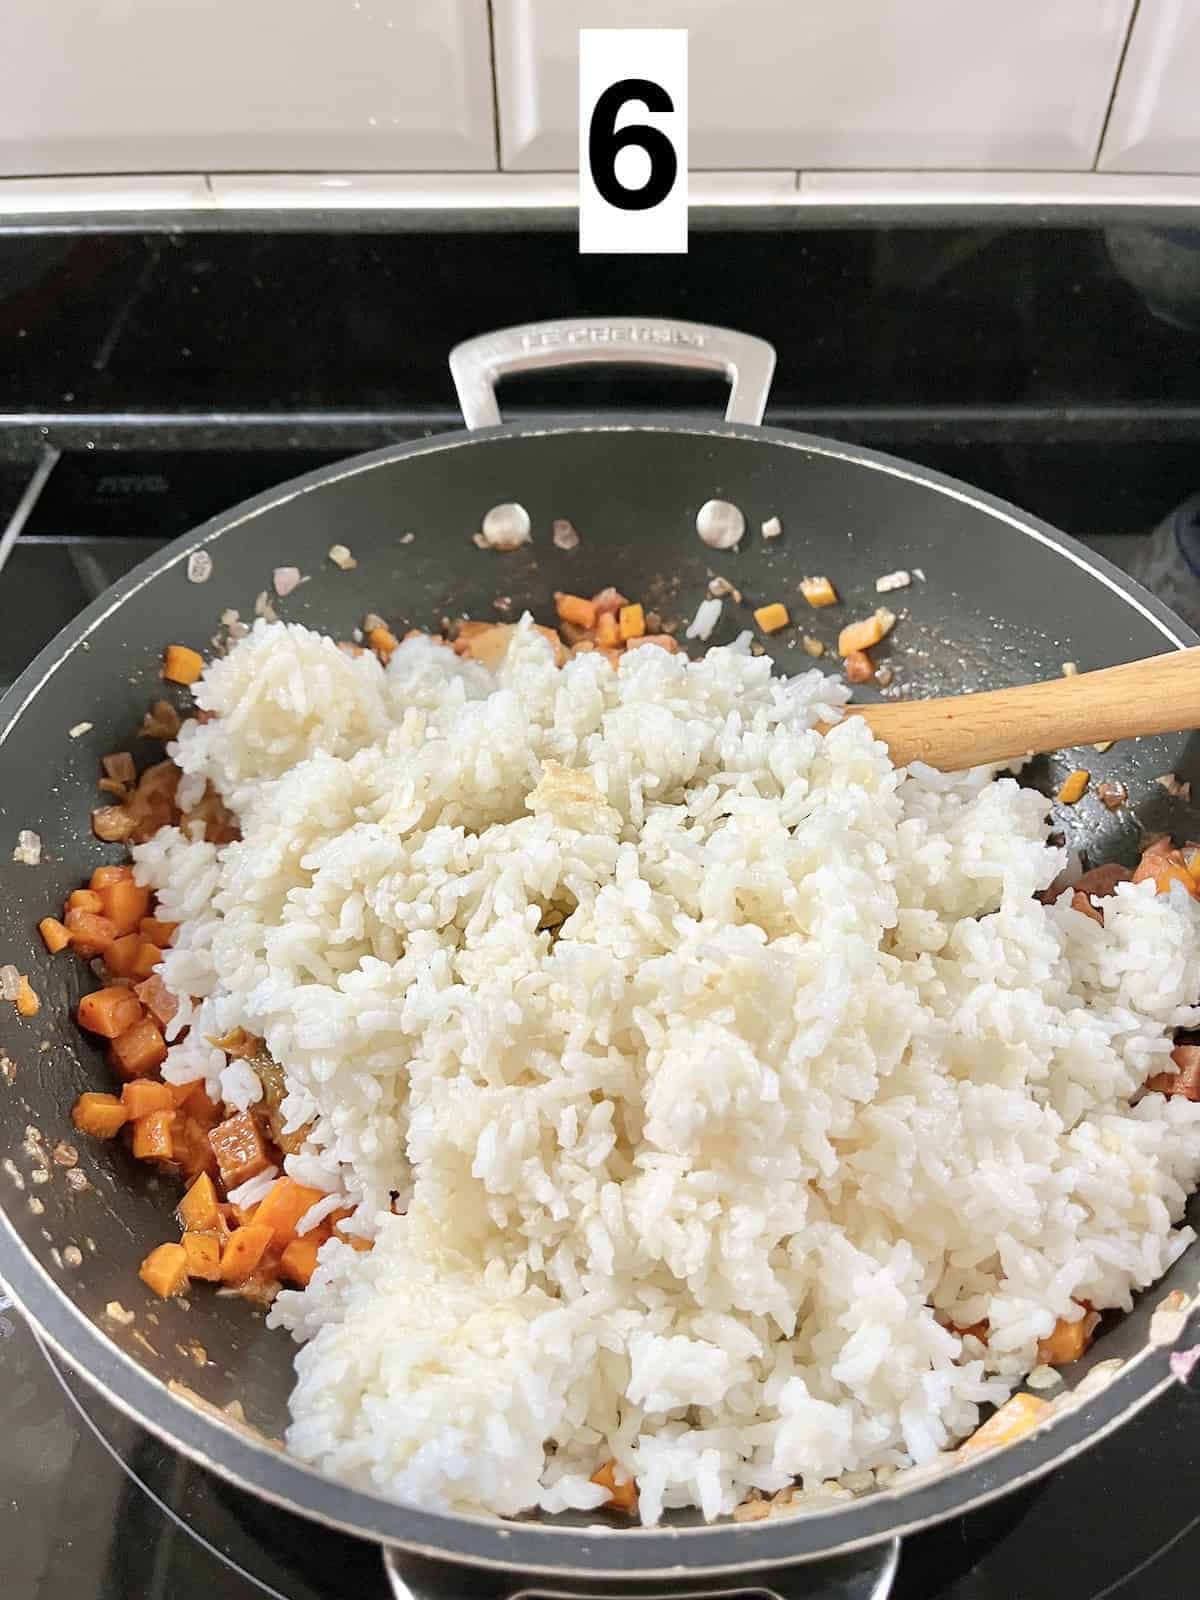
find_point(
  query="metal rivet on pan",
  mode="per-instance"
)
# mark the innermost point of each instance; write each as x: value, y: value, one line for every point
x: 505, y: 527
x: 720, y: 524
x: 199, y: 566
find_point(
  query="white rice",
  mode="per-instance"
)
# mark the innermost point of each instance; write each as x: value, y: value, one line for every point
x: 797, y: 1074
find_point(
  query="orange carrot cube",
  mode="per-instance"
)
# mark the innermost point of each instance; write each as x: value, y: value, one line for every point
x: 165, y: 1270
x: 181, y: 664
x: 101, y: 1115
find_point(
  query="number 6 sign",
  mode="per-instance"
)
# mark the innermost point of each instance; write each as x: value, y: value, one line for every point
x: 632, y: 141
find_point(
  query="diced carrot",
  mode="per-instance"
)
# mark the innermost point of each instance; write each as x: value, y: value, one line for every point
x: 103, y: 876
x: 383, y: 641
x: 1071, y: 790
x: 621, y: 1496
x: 574, y: 608
x: 243, y: 1252
x: 299, y: 1259
x: 239, y: 1149
x: 140, y: 1098
x: 108, y: 1012
x: 859, y: 667
x: 203, y: 1251
x: 1185, y: 1082
x: 101, y: 1115
x: 84, y: 900
x: 608, y: 600
x: 818, y: 591
x: 608, y: 631
x: 198, y: 1209
x: 773, y: 617
x: 862, y: 635
x: 281, y: 1208
x: 152, y: 1139
x: 165, y: 1270
x: 124, y: 903
x: 139, y: 1050
x: 120, y: 957
x: 54, y: 936
x: 156, y: 932
x: 27, y: 1002
x: 1019, y: 1414
x: 181, y: 664
x: 207, y: 1113
x: 90, y: 934
x: 1164, y: 866
x: 147, y: 959
x: 663, y: 640
x: 631, y: 622
x: 157, y: 998
x: 193, y: 1153
x: 1067, y: 1342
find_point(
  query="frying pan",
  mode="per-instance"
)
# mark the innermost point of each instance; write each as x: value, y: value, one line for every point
x: 1004, y: 599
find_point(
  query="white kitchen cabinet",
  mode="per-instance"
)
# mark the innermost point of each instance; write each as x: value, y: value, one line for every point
x: 836, y: 83
x: 102, y: 86
x: 1155, y: 121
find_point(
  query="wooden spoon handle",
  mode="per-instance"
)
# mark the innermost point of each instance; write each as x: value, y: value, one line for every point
x: 1159, y: 695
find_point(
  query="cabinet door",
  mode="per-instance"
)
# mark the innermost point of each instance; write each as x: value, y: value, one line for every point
x: 1155, y: 121
x: 836, y: 83
x: 187, y: 85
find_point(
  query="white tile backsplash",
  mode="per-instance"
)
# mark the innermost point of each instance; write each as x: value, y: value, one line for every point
x: 102, y: 86
x: 1155, y: 121
x: 837, y: 83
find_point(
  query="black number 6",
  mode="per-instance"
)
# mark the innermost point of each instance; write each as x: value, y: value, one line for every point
x: 604, y: 143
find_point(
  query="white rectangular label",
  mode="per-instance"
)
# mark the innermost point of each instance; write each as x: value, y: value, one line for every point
x: 633, y: 184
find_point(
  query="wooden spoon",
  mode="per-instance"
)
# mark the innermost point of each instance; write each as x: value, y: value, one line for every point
x: 1160, y: 695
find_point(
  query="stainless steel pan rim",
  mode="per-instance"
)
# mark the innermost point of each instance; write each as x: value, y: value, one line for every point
x: 535, y: 1548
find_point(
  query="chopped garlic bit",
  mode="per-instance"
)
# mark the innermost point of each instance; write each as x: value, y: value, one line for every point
x: 199, y: 566
x: 720, y: 524
x: 1105, y: 744
x: 721, y: 589
x: 812, y: 647
x: 78, y: 731
x: 505, y: 527
x: 1043, y: 1377
x: 285, y: 579
x: 893, y: 580
x: 919, y: 574
x: 407, y: 538
x: 28, y: 848
x: 1174, y: 786
x: 884, y: 676
x: 818, y: 591
x: 1070, y: 670
x: 340, y: 555
x: 10, y: 982
x: 708, y: 614
x: 563, y: 534
x: 772, y: 528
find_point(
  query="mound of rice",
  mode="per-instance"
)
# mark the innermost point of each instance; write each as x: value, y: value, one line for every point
x: 695, y: 1073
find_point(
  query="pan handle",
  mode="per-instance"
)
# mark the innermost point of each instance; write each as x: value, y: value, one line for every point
x: 477, y: 365
x: 860, y: 1575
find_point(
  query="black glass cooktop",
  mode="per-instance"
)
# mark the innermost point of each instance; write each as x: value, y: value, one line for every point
x: 150, y: 380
